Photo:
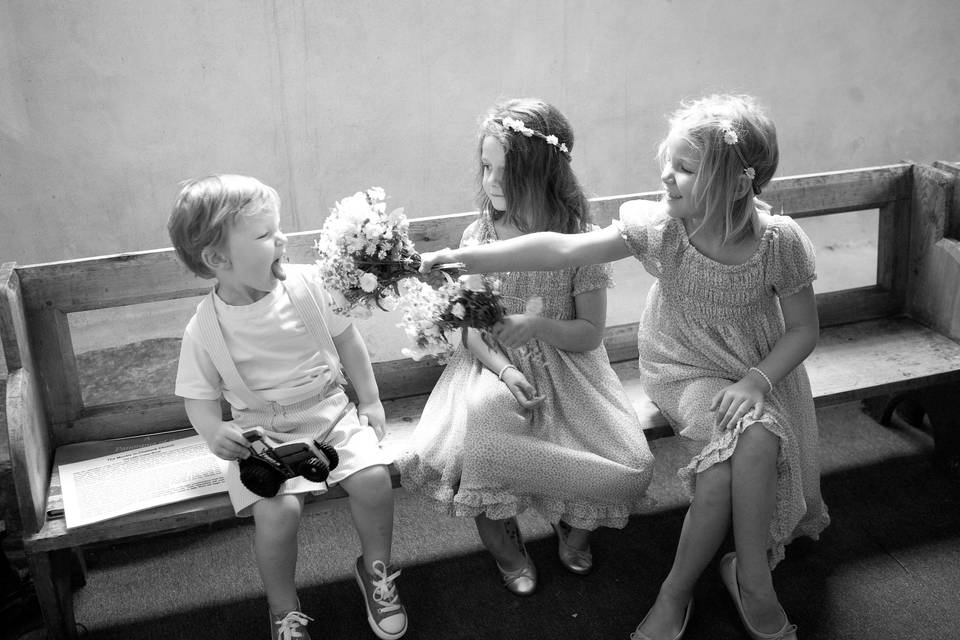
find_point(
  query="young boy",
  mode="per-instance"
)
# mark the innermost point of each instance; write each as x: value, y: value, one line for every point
x: 266, y: 340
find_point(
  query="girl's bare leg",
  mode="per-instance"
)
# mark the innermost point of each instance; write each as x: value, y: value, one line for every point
x: 704, y: 529
x: 502, y: 538
x: 754, y: 486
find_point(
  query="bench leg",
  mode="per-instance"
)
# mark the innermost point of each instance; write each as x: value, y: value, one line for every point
x: 51, y: 571
x: 940, y: 404
x: 933, y: 409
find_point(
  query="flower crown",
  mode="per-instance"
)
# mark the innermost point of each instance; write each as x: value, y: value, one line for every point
x: 517, y: 125
x: 732, y: 139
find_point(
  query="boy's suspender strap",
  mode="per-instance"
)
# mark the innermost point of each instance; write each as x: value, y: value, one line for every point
x: 309, y: 309
x: 216, y: 346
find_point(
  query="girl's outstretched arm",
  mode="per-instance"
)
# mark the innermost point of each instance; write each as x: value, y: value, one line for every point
x: 544, y: 251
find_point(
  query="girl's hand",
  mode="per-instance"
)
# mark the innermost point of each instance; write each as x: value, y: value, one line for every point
x: 430, y: 258
x: 522, y: 390
x: 372, y: 415
x: 228, y: 442
x: 734, y: 402
x: 516, y: 330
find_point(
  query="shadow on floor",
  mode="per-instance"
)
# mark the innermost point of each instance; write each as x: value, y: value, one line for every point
x: 888, y: 567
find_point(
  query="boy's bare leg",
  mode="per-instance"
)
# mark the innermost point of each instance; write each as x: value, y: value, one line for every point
x: 275, y: 548
x: 371, y: 506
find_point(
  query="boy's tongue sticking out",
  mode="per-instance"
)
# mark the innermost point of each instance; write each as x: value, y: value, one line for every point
x: 277, y: 270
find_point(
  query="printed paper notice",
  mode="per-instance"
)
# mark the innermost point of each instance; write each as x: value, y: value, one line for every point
x: 139, y: 478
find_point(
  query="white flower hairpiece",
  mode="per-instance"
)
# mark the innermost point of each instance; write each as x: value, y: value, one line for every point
x: 517, y: 125
x: 732, y: 139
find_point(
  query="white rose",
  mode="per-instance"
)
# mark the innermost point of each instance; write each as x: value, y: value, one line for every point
x: 368, y: 282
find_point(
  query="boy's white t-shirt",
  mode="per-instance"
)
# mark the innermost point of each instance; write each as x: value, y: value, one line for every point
x: 272, y: 348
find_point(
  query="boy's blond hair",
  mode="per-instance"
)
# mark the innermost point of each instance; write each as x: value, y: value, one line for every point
x: 207, y: 207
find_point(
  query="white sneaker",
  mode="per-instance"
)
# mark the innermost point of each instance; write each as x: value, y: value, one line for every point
x: 385, y: 612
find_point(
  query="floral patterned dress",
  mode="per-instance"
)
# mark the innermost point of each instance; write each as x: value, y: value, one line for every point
x: 581, y: 456
x: 704, y: 325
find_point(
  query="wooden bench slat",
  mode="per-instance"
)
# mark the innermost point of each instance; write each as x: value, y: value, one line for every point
x: 854, y: 361
x: 145, y: 276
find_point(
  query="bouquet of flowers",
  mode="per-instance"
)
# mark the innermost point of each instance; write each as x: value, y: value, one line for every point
x: 364, y: 252
x: 429, y: 314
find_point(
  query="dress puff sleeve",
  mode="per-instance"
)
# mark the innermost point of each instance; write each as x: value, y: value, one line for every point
x: 643, y: 225
x: 792, y: 260
x: 592, y: 277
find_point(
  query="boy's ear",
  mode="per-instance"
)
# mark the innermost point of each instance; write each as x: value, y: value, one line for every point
x: 214, y: 259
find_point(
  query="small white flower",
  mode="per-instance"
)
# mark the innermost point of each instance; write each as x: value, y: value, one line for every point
x: 368, y: 282
x: 750, y: 173
x: 513, y: 123
x: 552, y: 140
x: 729, y: 133
x: 459, y: 310
x: 563, y: 147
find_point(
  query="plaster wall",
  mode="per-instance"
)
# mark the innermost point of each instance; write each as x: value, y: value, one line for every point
x: 105, y: 105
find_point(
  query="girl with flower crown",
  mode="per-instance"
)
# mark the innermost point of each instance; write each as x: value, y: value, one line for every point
x: 723, y: 336
x: 539, y: 419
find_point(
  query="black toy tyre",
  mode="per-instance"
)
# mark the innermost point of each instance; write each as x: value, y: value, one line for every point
x: 317, y: 469
x: 332, y: 458
x: 259, y: 477
x: 314, y: 469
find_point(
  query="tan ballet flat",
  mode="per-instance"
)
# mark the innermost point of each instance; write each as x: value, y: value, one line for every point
x: 575, y: 560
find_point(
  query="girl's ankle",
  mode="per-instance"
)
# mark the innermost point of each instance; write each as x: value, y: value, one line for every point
x: 509, y: 559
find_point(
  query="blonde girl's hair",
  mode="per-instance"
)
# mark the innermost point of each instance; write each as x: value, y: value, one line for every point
x: 734, y: 141
x: 207, y: 207
x: 540, y: 186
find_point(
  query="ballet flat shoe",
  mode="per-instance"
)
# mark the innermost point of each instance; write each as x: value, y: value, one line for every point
x: 575, y: 560
x: 728, y: 573
x: 522, y: 581
x: 639, y: 635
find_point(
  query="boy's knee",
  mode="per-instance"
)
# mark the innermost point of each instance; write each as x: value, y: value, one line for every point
x: 281, y: 512
x: 370, y: 484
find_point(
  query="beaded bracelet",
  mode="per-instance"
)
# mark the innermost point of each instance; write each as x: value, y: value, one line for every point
x: 504, y: 370
x: 762, y: 375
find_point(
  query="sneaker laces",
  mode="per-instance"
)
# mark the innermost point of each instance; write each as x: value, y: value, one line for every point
x: 385, y: 592
x: 290, y: 625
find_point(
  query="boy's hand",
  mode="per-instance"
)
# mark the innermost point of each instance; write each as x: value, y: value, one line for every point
x: 430, y: 258
x: 229, y: 443
x: 522, y: 390
x: 371, y: 414
x: 736, y: 401
x: 516, y: 330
